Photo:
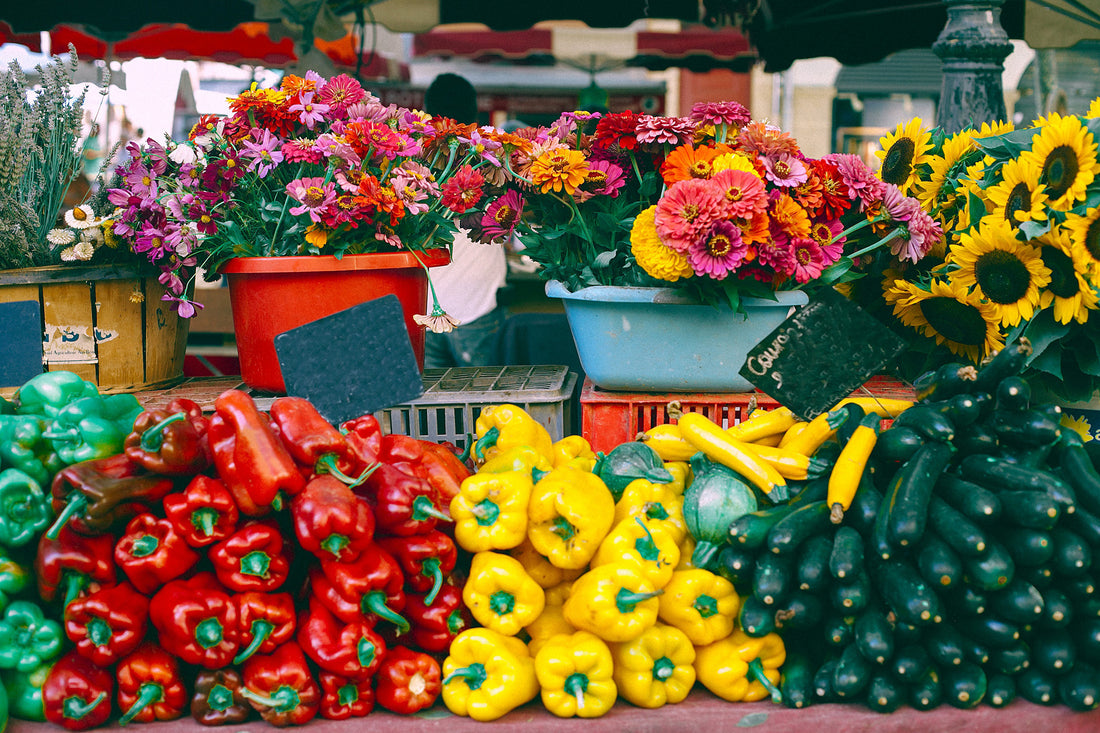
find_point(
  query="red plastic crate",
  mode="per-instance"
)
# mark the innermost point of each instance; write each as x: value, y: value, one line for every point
x: 611, y: 418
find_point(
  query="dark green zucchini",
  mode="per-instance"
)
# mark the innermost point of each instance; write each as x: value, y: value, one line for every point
x: 1079, y: 471
x: 987, y: 629
x: 1080, y: 689
x: 756, y: 618
x: 1011, y: 659
x: 992, y: 570
x: 999, y: 475
x: 975, y: 652
x: 839, y: 630
x: 737, y: 565
x: 861, y: 514
x: 912, y: 489
x: 1026, y: 429
x: 823, y: 681
x: 911, y: 662
x: 907, y: 634
x: 1039, y: 576
x: 1000, y: 689
x: 846, y: 557
x: 928, y: 421
x: 796, y: 682
x: 1029, y: 547
x: 853, y: 673
x: 970, y: 601
x: 1030, y: 509
x: 978, y: 438
x: 801, y: 611
x: 1088, y: 608
x: 812, y: 571
x: 790, y: 531
x: 964, y: 686
x: 874, y: 636
x: 1013, y: 394
x: 774, y: 578
x: 1086, y: 634
x: 1086, y: 524
x: 879, y: 545
x: 964, y: 537
x: 853, y: 415
x: 912, y: 600
x: 945, y: 645
x: 938, y: 563
x: 1081, y: 588
x: 884, y: 694
x: 962, y: 410
x: 750, y: 530
x: 927, y: 692
x: 1072, y: 555
x: 1019, y: 602
x: 1007, y: 362
x: 1057, y: 609
x: 1037, y: 687
x: 945, y: 381
x: 897, y: 444
x: 1053, y: 652
x: 972, y: 501
x: 853, y: 595
x: 813, y: 490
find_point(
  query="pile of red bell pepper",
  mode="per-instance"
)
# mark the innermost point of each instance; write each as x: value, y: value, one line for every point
x: 301, y: 568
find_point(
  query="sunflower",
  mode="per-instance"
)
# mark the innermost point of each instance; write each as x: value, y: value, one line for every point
x: 903, y: 151
x: 1018, y: 196
x: 992, y: 129
x: 1065, y: 152
x: 1085, y: 233
x: 1094, y: 108
x: 1078, y: 424
x: 950, y: 314
x: 1071, y: 290
x: 1001, y: 269
x: 938, y: 189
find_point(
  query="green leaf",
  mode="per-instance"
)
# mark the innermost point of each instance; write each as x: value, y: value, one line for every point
x: 1035, y: 229
x: 834, y: 272
x: 603, y: 259
x: 1050, y: 361
x: 1043, y: 331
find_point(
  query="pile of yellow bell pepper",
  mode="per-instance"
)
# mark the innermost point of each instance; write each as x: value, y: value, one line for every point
x: 582, y: 599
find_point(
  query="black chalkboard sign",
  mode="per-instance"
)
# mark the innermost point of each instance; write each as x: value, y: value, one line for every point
x: 821, y: 354
x: 21, y: 335
x: 353, y: 362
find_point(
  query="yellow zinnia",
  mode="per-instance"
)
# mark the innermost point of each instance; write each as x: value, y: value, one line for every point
x: 659, y: 261
x: 559, y: 170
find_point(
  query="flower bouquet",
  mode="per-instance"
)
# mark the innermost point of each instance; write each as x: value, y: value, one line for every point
x: 315, y: 167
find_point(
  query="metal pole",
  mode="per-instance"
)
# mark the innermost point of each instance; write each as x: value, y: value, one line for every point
x: 973, y: 46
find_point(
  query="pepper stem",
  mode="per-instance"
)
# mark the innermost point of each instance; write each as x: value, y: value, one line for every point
x: 576, y: 684
x: 205, y: 520
x: 465, y: 454
x: 74, y: 583
x: 335, y: 544
x: 74, y: 708
x: 663, y: 668
x: 375, y: 602
x: 153, y: 438
x: 261, y: 630
x: 626, y: 600
x: 148, y: 693
x: 756, y: 671
x: 327, y: 464
x: 430, y: 569
x: 424, y: 507
x: 283, y: 699
x: 474, y: 676
x: 73, y: 506
x: 486, y: 441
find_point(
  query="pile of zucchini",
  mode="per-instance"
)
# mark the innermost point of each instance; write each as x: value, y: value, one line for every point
x: 962, y: 571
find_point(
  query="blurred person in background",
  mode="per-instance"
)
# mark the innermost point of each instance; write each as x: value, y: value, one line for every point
x: 467, y: 288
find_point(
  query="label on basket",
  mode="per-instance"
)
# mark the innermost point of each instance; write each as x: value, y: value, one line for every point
x: 820, y: 355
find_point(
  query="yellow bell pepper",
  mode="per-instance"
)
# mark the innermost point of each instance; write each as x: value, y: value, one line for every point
x: 569, y: 514
x: 504, y: 426
x: 575, y: 676
x: 681, y: 476
x: 487, y: 674
x: 687, y: 549
x: 667, y: 441
x: 655, y: 669
x: 615, y: 602
x: 490, y: 510
x: 701, y: 604
x: 574, y: 450
x: 740, y: 668
x: 517, y: 458
x: 556, y: 595
x: 541, y: 570
x: 500, y: 594
x: 655, y: 504
x: 550, y: 623
x: 650, y: 547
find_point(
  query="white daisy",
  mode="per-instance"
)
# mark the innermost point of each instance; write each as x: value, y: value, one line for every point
x: 81, y: 217
x: 61, y: 237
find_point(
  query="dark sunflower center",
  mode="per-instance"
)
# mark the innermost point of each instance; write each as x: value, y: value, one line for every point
x: 898, y: 163
x: 1063, y: 281
x: 958, y: 322
x: 1060, y: 170
x: 1019, y: 199
x: 1092, y: 239
x: 1002, y: 276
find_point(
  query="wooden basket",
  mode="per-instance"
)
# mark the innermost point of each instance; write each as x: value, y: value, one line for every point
x: 106, y: 323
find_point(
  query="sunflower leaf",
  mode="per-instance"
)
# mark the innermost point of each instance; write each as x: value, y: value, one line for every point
x: 1050, y: 361
x: 1044, y: 331
x: 1035, y: 229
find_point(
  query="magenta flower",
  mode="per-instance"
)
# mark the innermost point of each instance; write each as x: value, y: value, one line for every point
x: 671, y: 130
x: 265, y: 153
x: 776, y: 253
x: 500, y: 217
x: 860, y: 180
x: 918, y: 235
x: 418, y: 175
x: 808, y: 260
x: 718, y: 252
x: 313, y: 194
x: 331, y: 146
x: 609, y: 174
x: 685, y: 212
x: 784, y: 170
x: 482, y: 147
x: 150, y: 242
x: 340, y: 92
x: 310, y: 112
x: 824, y: 232
x: 301, y: 150
x: 720, y: 113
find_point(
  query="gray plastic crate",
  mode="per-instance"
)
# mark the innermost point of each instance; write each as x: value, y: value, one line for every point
x: 453, y: 398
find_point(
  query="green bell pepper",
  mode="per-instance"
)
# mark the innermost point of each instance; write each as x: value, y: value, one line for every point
x: 93, y: 427
x: 13, y: 579
x: 27, y: 637
x: 47, y: 393
x: 24, y: 509
x: 25, y: 691
x: 23, y: 445
x: 6, y: 407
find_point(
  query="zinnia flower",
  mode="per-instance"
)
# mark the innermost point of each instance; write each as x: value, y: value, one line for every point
x: 309, y: 112
x: 685, y: 212
x: 718, y: 252
x: 670, y: 130
x: 313, y: 194
x: 651, y: 254
x: 720, y: 113
x: 462, y: 190
x: 265, y: 152
x: 808, y: 259
x: 301, y: 150
x: 742, y: 194
x: 784, y: 170
x: 560, y: 169
x: 499, y: 220
x: 616, y: 131
x: 860, y: 180
x: 340, y: 92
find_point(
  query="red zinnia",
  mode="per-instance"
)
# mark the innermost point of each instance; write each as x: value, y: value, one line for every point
x: 463, y: 190
x: 616, y: 131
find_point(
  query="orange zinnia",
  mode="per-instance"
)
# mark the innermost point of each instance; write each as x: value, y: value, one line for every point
x: 559, y: 170
x: 790, y: 217
x: 689, y: 162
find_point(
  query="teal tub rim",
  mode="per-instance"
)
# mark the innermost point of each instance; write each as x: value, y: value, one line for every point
x: 670, y: 296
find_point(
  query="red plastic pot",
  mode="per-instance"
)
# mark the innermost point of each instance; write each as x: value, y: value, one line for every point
x: 270, y: 295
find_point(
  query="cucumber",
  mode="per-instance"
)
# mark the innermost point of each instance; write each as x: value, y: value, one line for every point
x: 1080, y: 689
x: 1079, y: 471
x: 1029, y: 547
x: 823, y: 681
x: 912, y: 489
x: 1030, y: 428
x: 789, y: 532
x: 938, y: 563
x: 846, y: 556
x: 774, y: 579
x: 1086, y: 524
x: 853, y: 673
x: 1019, y: 602
x: 1037, y: 687
x: 927, y: 421
x: 987, y: 629
x: 874, y: 636
x: 1072, y: 555
x: 861, y: 514
x: 839, y: 630
x: 998, y: 475
x: 970, y: 601
x: 1057, y: 609
x: 1030, y: 509
x: 1053, y: 652
x: 1080, y: 588
x: 945, y: 645
x: 812, y: 571
x: 1011, y: 659
x: 962, y: 410
x: 927, y: 692
x: 750, y: 530
x: 884, y: 694
x: 945, y: 381
x: 972, y: 501
x: 964, y: 686
x: 911, y: 662
x: 796, y: 683
x: 962, y: 535
x: 1000, y: 689
x: 800, y: 612
x: 1087, y: 635
x: 992, y: 570
x: 1013, y: 394
x: 736, y: 565
x: 1008, y: 362
x: 912, y: 600
x: 852, y: 596
x: 978, y: 438
x: 756, y: 618
x: 897, y: 444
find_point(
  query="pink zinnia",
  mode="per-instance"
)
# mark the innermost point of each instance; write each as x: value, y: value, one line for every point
x: 860, y: 180
x: 718, y: 252
x: 340, y: 92
x: 332, y: 146
x: 671, y: 130
x: 919, y: 235
x: 784, y: 170
x: 301, y: 150
x: 776, y: 253
x: 310, y: 112
x: 685, y: 212
x: 808, y: 260
x: 604, y: 178
x: 314, y: 195
x: 742, y: 194
x: 463, y: 190
x: 897, y: 205
x: 419, y: 176
x: 499, y: 220
x: 720, y: 113
x: 824, y: 232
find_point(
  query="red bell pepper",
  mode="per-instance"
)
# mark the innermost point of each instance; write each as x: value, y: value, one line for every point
x: 151, y: 553
x: 149, y: 686
x: 313, y: 442
x: 217, y: 699
x: 370, y: 587
x: 265, y: 620
x: 364, y: 436
x: 203, y: 513
x: 255, y: 466
x: 331, y: 521
x: 425, y: 559
x: 350, y: 649
x: 171, y: 440
x: 343, y: 697
x: 424, y: 459
x: 280, y: 686
x: 408, y: 681
x: 254, y: 558
x: 107, y: 624
x: 403, y: 504
x: 101, y: 495
x: 77, y: 693
x: 196, y: 620
x: 436, y: 624
x: 72, y: 562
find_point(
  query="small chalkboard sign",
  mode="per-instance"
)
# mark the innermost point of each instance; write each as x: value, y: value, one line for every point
x: 21, y: 356
x: 821, y: 354
x: 353, y: 362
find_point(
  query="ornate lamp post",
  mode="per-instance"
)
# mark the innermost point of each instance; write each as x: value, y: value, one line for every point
x: 973, y: 47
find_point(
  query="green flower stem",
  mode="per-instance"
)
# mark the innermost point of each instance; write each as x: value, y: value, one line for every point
x: 282, y: 215
x: 871, y: 247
